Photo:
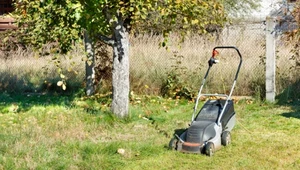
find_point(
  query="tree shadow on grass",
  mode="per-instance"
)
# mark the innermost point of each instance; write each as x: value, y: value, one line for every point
x: 24, y: 102
x: 291, y: 97
x: 295, y: 114
x: 29, y: 89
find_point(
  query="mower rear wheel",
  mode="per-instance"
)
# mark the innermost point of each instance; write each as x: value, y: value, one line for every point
x: 173, y: 143
x: 226, y: 138
x: 209, y: 149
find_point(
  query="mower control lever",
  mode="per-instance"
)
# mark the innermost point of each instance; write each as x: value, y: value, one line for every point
x: 212, y: 61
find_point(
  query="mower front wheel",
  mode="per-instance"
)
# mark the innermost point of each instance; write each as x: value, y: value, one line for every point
x: 209, y: 149
x: 226, y: 138
x: 173, y: 143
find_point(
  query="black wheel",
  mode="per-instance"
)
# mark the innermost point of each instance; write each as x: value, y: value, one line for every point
x: 209, y: 149
x: 225, y: 138
x: 173, y: 143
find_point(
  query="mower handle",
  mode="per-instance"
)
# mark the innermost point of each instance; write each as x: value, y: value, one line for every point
x: 238, y: 51
x: 210, y: 63
x: 234, y: 82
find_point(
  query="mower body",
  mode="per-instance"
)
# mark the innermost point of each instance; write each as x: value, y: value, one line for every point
x: 212, y: 125
x: 205, y: 129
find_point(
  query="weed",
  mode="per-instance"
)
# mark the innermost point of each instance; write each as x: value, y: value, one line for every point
x: 175, y: 86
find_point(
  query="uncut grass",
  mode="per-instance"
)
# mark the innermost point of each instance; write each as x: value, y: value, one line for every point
x: 21, y: 71
x: 26, y: 71
x: 64, y: 135
x: 151, y: 63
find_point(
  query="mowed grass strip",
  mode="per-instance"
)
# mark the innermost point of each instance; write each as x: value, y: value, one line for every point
x: 64, y: 134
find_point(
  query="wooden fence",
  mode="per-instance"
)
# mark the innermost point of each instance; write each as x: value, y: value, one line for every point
x: 7, y: 23
x: 6, y: 6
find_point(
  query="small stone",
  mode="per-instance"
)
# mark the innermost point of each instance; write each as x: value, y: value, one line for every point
x: 121, y: 151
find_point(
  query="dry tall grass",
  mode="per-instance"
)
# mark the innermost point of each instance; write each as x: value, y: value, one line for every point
x: 149, y: 64
x: 26, y: 71
x: 195, y: 52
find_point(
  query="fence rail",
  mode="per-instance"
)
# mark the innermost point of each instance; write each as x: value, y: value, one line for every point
x: 7, y: 23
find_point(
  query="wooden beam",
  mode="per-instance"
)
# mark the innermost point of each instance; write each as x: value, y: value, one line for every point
x: 7, y: 26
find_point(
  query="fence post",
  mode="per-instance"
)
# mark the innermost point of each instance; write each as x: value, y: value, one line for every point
x: 270, y: 59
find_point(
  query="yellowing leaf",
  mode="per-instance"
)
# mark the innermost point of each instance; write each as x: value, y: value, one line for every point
x: 178, y: 1
x: 162, y: 12
x: 64, y: 87
x: 62, y: 76
x: 195, y: 21
x: 60, y: 83
x: 185, y: 19
x: 143, y: 16
x: 131, y: 9
x: 89, y: 62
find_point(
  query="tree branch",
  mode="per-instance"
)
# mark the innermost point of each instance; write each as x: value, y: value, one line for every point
x: 106, y: 40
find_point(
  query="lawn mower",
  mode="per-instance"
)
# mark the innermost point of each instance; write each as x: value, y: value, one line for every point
x: 211, y: 127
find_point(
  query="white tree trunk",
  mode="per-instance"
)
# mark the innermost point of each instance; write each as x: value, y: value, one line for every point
x: 120, y: 72
x: 89, y: 65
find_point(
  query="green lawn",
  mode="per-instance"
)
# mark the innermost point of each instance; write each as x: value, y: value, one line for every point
x: 67, y: 132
